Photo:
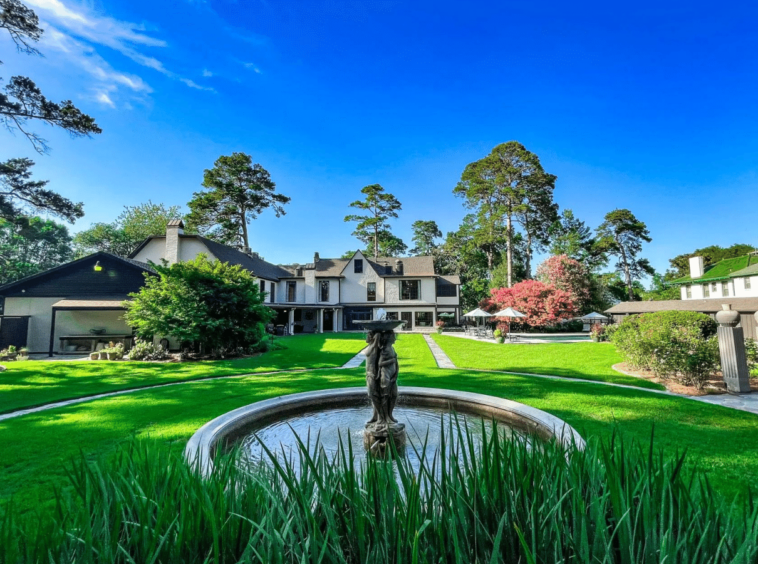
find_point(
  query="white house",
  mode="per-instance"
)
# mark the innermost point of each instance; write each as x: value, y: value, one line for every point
x: 77, y: 307
x: 707, y: 288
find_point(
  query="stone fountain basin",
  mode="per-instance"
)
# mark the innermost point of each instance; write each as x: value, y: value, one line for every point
x: 380, y: 324
x: 229, y: 427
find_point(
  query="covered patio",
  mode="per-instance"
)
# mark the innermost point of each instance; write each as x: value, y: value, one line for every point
x: 296, y: 319
x: 78, y: 327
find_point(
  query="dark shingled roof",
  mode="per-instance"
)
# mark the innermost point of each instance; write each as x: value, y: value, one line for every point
x: 712, y: 305
x: 452, y: 278
x: 257, y: 266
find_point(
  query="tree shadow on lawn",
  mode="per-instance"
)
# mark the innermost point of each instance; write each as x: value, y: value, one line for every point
x: 46, y: 382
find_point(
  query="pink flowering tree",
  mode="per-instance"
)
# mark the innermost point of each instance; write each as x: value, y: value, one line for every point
x: 568, y: 275
x: 543, y: 304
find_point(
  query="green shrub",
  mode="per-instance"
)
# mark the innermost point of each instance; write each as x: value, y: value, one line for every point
x: 211, y: 303
x: 498, y: 501
x: 751, y: 351
x: 147, y: 350
x: 672, y: 344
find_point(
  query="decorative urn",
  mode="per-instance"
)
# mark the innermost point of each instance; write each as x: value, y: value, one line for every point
x: 728, y: 317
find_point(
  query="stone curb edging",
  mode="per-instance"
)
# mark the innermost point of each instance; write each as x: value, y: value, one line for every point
x: 201, y: 446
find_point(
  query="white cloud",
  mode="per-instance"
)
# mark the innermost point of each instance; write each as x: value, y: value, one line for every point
x: 103, y: 98
x: 78, y: 30
x: 252, y: 67
x: 207, y: 73
x: 193, y: 84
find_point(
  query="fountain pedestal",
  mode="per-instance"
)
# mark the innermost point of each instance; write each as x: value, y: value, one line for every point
x: 381, y: 382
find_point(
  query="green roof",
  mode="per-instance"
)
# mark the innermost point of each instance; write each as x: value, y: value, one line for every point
x: 723, y: 270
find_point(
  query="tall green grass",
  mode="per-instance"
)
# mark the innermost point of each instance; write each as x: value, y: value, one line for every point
x: 481, y: 500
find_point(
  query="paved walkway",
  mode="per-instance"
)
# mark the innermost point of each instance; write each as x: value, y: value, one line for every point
x: 442, y: 360
x: 354, y: 362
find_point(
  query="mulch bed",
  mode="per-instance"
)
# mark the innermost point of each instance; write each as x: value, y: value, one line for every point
x: 714, y: 385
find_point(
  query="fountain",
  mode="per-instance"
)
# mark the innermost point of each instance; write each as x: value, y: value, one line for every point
x: 334, y: 415
x: 381, y: 381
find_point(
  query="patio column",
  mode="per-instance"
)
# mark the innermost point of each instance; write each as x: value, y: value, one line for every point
x: 291, y: 321
x: 321, y: 320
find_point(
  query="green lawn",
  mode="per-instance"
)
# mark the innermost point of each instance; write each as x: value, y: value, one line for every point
x: 590, y: 361
x: 35, y: 448
x: 34, y: 382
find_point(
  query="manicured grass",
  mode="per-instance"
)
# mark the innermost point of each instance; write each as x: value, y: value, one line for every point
x: 589, y: 361
x: 36, y: 448
x: 32, y: 383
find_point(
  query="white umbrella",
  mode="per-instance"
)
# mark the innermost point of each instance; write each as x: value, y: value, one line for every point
x: 594, y: 317
x: 477, y: 313
x: 509, y: 312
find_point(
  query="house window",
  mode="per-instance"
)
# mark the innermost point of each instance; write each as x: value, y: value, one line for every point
x: 358, y: 266
x: 371, y: 292
x: 689, y: 292
x: 272, y: 293
x: 324, y: 291
x: 263, y: 286
x: 747, y: 283
x: 391, y: 316
x: 706, y: 291
x: 713, y: 287
x: 445, y: 290
x: 409, y: 289
x: 725, y: 289
x: 424, y: 318
x: 407, y: 316
x: 291, y: 288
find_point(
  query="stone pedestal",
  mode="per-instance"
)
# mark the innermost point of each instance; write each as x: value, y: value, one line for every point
x: 376, y: 438
x: 732, y: 351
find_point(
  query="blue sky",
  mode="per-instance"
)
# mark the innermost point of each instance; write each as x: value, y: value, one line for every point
x: 649, y: 106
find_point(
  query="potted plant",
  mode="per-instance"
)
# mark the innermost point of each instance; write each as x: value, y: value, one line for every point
x: 440, y: 325
x: 94, y: 355
x: 499, y: 337
x: 116, y: 352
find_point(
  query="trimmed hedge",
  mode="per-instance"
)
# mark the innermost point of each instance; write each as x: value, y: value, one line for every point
x: 672, y: 344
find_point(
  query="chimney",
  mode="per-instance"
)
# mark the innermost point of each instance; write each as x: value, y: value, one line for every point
x: 316, y: 258
x: 174, y: 229
x: 696, y: 267
x: 399, y: 266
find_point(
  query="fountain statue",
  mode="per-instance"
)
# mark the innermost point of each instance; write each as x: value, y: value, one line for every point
x: 381, y: 381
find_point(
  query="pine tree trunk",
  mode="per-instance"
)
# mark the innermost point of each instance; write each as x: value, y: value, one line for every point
x: 245, y: 240
x: 528, y: 256
x: 627, y: 273
x: 509, y: 251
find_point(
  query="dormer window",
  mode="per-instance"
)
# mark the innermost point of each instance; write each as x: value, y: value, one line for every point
x: 358, y: 266
x: 689, y: 292
x: 725, y: 289
x: 747, y: 283
x: 706, y: 291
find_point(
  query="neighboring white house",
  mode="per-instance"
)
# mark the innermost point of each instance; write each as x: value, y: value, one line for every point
x: 77, y: 307
x: 732, y: 282
x: 729, y: 278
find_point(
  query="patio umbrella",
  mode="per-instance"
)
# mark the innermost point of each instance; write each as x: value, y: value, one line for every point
x: 477, y: 313
x: 509, y: 312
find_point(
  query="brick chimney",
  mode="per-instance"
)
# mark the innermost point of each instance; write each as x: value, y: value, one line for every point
x: 399, y: 266
x: 174, y: 229
x: 697, y: 268
x: 316, y: 258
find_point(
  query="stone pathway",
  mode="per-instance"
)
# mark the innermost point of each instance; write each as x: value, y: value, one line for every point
x: 356, y: 361
x: 745, y: 402
x: 442, y: 360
